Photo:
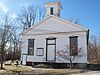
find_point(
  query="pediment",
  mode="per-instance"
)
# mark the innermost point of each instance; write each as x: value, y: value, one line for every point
x: 54, y: 24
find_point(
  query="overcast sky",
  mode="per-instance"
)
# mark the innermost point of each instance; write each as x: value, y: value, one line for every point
x: 87, y: 11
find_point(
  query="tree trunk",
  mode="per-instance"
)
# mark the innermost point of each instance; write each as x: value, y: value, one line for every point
x: 1, y: 64
x: 70, y: 63
x: 2, y: 61
x: 14, y: 55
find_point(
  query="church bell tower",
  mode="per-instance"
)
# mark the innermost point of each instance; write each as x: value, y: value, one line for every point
x: 53, y: 8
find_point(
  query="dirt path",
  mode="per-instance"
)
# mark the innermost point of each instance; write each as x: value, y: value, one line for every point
x: 43, y: 71
x: 89, y: 73
x: 26, y: 70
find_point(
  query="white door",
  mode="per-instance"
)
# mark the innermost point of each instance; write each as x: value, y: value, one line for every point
x: 51, y: 52
x: 24, y: 59
x: 51, y: 49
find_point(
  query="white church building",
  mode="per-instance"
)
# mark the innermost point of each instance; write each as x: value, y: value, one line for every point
x: 40, y: 42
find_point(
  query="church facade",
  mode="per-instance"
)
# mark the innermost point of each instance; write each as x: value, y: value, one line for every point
x: 41, y: 42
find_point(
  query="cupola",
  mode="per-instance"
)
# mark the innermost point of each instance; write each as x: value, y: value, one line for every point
x: 53, y: 8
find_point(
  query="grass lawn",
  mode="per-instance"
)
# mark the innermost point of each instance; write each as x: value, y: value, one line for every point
x: 56, y: 71
x: 12, y: 69
x: 28, y: 70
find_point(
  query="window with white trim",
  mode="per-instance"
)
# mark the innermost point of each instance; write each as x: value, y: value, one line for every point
x: 73, y: 45
x: 30, y: 46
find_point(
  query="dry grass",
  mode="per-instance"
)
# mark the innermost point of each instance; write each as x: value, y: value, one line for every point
x: 57, y: 71
x: 63, y: 71
x: 12, y: 69
x: 6, y: 72
x: 18, y: 69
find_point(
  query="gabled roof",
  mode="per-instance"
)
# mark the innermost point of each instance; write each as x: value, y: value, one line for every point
x: 56, y: 24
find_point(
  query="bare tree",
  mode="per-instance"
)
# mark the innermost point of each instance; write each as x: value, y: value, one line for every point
x: 29, y: 16
x: 5, y: 29
x: 67, y: 55
x: 41, y: 13
x: 76, y: 21
x: 94, y: 50
x: 15, y: 42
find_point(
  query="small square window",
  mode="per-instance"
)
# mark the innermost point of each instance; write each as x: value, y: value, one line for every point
x: 40, y: 51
